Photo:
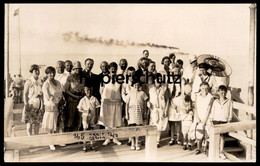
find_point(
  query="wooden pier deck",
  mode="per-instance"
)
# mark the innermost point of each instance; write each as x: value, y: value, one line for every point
x: 110, y: 153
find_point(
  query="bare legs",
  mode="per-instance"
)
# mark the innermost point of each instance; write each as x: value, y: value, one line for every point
x: 29, y: 128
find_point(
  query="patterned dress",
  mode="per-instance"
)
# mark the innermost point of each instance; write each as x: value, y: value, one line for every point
x: 34, y: 113
x: 136, y: 102
x: 62, y: 78
x: 73, y: 117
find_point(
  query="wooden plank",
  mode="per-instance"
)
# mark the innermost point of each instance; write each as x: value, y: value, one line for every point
x: 242, y: 138
x: 16, y: 155
x: 231, y: 157
x: 72, y: 137
x: 8, y: 117
x: 214, y: 139
x: 245, y: 108
x: 151, y: 145
x: 233, y: 149
x: 235, y: 126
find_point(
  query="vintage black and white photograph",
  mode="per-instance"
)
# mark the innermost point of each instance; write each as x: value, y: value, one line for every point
x: 98, y: 82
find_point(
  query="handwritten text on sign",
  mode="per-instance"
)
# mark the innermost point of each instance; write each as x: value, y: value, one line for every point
x: 98, y: 135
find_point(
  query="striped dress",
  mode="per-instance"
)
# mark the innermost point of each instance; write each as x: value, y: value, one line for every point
x: 136, y: 102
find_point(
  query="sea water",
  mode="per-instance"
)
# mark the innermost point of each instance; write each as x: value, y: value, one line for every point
x: 99, y: 53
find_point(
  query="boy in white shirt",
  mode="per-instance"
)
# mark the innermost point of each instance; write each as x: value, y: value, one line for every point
x: 221, y: 113
x: 89, y: 106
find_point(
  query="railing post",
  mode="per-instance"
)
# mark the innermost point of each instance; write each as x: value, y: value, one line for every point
x: 151, y: 145
x: 251, y: 75
x: 8, y: 116
x: 213, y: 144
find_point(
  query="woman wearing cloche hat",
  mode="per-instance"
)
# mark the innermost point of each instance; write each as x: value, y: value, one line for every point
x: 74, y: 89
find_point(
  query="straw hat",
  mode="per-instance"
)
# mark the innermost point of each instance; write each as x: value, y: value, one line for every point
x: 77, y: 65
x: 192, y: 58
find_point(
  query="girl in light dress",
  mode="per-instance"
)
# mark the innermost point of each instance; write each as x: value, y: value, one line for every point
x: 52, y: 95
x: 183, y: 107
x: 174, y: 115
x: 136, y: 110
x: 158, y: 105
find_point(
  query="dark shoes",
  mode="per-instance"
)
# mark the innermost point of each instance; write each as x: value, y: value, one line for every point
x: 189, y: 147
x: 129, y: 143
x: 171, y: 142
x: 197, y: 152
x: 93, y: 148
x: 184, y: 147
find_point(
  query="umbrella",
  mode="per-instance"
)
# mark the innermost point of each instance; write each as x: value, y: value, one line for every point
x: 219, y: 66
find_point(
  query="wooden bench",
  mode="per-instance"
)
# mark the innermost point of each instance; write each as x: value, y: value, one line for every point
x: 14, y: 144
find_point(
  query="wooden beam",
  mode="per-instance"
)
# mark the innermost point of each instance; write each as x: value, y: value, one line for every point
x: 231, y: 157
x: 8, y: 116
x: 214, y: 139
x: 72, y: 137
x: 244, y: 108
x: 242, y: 138
x: 151, y: 142
x: 235, y: 126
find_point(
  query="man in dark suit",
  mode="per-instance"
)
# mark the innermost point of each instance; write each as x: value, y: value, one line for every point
x: 91, y: 78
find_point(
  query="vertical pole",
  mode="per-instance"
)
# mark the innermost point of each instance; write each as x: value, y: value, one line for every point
x: 251, y: 73
x: 6, y: 50
x: 20, y: 65
x: 151, y: 145
x: 213, y: 144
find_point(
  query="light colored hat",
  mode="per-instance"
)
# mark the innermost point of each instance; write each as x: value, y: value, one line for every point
x: 192, y: 58
x: 77, y: 65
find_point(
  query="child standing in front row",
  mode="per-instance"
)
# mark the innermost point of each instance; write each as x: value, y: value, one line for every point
x: 136, y: 110
x: 221, y: 113
x: 184, y: 107
x: 158, y: 105
x: 201, y: 110
x: 89, y: 106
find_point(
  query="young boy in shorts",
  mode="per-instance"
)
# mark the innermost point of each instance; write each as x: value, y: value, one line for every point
x: 89, y: 106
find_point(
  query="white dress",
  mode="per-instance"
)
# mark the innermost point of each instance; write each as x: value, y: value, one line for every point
x: 157, y: 102
x: 52, y: 95
x: 111, y: 106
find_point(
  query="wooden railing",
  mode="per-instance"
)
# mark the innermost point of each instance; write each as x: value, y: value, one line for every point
x: 232, y: 129
x: 14, y: 144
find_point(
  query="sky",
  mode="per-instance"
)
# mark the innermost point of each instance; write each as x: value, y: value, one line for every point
x: 218, y: 29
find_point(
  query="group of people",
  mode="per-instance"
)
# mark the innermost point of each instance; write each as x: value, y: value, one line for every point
x: 71, y: 98
x: 16, y: 88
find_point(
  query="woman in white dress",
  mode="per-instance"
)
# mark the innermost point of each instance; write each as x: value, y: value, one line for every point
x: 111, y: 104
x: 52, y: 95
